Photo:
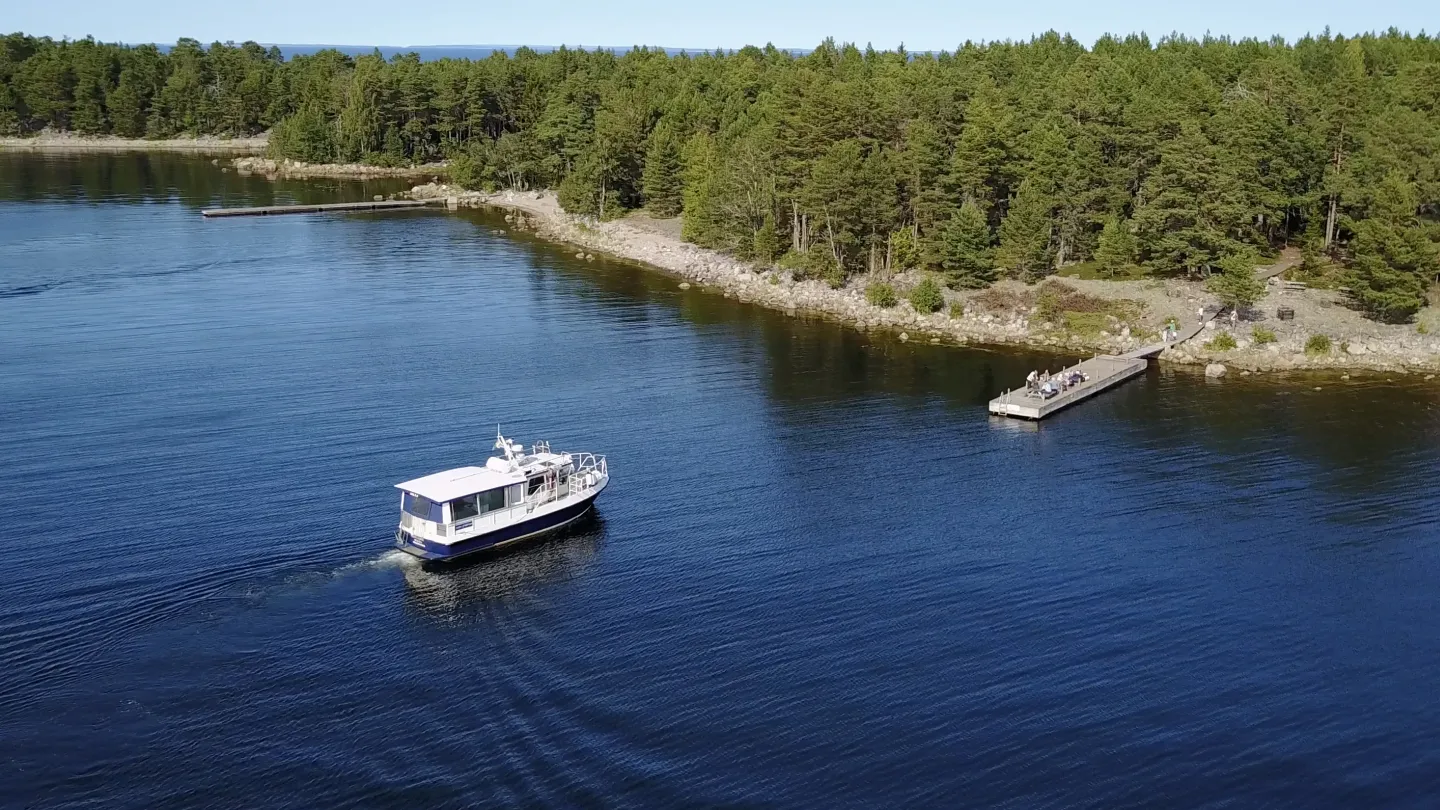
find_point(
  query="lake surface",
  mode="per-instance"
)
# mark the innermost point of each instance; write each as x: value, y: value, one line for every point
x: 822, y: 576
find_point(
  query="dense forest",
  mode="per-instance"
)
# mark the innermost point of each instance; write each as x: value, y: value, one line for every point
x: 1181, y: 156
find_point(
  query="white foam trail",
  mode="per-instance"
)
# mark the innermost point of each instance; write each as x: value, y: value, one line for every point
x: 394, y: 558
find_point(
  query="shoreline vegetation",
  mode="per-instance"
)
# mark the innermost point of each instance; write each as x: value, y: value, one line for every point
x: 1062, y: 315
x: 1042, y: 192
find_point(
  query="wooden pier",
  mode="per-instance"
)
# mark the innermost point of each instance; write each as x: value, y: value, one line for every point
x: 1103, y: 372
x: 275, y: 210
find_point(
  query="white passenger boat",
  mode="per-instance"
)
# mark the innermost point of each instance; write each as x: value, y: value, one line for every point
x: 516, y: 496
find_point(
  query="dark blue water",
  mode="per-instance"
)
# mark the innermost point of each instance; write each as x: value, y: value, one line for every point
x: 822, y: 577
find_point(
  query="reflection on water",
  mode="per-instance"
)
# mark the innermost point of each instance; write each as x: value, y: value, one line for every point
x: 454, y: 591
x: 828, y: 578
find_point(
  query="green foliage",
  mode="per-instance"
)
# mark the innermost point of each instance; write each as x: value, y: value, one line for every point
x: 1222, y: 342
x: 1393, y: 261
x: 467, y: 172
x: 904, y: 250
x: 1236, y: 287
x: 303, y: 136
x: 1171, y: 155
x: 1118, y: 250
x: 881, y: 294
x: 965, y: 252
x: 1262, y: 336
x: 663, y: 178
x: 927, y: 296
x: 1090, y: 324
x: 766, y: 243
x: 957, y: 309
x: 1026, y: 235
x: 1317, y: 344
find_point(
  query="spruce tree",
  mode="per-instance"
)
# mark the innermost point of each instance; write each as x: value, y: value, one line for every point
x: 663, y: 182
x: 964, y: 248
x: 1116, y: 252
x: 1025, y: 248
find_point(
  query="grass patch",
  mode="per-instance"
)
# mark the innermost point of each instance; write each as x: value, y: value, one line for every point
x: 1222, y: 342
x: 1317, y: 344
x: 881, y: 295
x: 1092, y: 271
x: 957, y: 310
x: 1261, y: 336
x: 1090, y: 324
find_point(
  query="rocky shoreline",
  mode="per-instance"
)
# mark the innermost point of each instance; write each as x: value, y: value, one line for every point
x: 67, y: 142
x: 1404, y: 350
x: 969, y: 317
x: 346, y: 171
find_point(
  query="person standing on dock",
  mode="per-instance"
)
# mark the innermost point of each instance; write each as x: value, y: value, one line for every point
x: 1031, y: 380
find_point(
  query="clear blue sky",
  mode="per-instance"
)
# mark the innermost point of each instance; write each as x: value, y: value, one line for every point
x: 919, y: 24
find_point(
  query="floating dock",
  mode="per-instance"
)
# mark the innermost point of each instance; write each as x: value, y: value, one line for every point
x: 1104, y: 372
x: 275, y: 210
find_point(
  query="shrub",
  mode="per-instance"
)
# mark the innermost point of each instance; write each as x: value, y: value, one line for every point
x: 1422, y: 329
x: 957, y: 310
x: 881, y: 295
x: 1222, y: 342
x: 927, y: 296
x: 773, y: 280
x: 1262, y: 336
x: 1317, y: 344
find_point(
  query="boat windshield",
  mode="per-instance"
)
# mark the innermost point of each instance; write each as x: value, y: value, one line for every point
x: 421, y: 507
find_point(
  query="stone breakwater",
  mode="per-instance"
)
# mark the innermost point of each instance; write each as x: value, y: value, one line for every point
x: 357, y: 171
x: 69, y: 142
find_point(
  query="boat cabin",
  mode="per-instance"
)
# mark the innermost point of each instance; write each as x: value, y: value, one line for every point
x: 453, y: 502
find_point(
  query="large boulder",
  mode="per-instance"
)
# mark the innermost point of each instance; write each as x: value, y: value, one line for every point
x: 1215, y: 370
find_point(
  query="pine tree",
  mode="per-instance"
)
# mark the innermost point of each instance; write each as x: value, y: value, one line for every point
x: 127, y: 106
x: 1236, y: 285
x: 766, y: 244
x: 700, y: 172
x: 1117, y: 250
x: 1025, y: 235
x: 663, y: 182
x: 1393, y: 261
x: 1188, y: 215
x: 965, y: 248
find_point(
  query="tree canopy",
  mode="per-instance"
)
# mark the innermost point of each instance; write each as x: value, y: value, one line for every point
x: 992, y: 160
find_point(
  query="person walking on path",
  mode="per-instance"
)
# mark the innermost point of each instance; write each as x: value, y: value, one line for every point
x: 1200, y: 315
x: 1234, y: 317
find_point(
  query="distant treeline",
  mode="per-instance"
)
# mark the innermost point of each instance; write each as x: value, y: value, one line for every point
x: 1004, y: 159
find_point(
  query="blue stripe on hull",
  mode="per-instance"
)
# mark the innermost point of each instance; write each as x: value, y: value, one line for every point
x: 534, y: 526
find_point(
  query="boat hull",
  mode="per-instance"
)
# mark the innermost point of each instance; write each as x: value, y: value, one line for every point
x: 530, y: 529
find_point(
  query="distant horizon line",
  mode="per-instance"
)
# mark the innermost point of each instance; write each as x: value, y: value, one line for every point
x: 1289, y: 40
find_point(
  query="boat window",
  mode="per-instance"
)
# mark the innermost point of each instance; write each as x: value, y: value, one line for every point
x: 462, y: 508
x: 492, y: 500
x: 564, y: 474
x: 534, y: 484
x: 421, y: 507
